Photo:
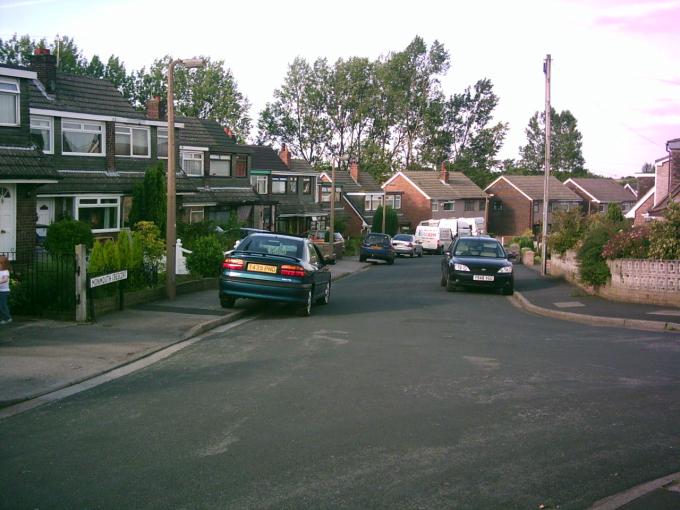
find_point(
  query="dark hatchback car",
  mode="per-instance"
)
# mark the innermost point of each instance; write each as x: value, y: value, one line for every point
x: 477, y: 262
x: 278, y: 268
x: 377, y: 246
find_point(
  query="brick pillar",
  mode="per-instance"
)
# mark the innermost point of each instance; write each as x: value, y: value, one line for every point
x: 153, y: 108
x: 354, y: 171
x: 284, y: 154
x: 45, y: 65
x: 444, y: 172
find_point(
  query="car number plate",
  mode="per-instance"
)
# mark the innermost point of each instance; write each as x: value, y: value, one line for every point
x: 482, y: 278
x: 262, y: 268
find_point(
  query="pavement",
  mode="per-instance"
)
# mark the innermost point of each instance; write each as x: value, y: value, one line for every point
x: 39, y: 357
x: 559, y: 299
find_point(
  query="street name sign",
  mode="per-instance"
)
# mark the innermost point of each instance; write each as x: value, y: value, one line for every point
x: 105, y: 279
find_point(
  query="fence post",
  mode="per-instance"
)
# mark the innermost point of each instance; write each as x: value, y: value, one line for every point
x: 81, y: 283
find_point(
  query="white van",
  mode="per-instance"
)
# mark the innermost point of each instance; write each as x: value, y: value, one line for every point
x: 477, y: 225
x: 433, y: 238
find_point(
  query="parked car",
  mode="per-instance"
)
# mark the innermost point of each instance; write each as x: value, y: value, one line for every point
x: 276, y: 267
x: 377, y: 246
x: 406, y: 244
x: 477, y: 262
x: 320, y: 238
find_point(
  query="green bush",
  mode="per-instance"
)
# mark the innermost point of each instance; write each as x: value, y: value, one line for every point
x: 148, y: 239
x: 568, y: 228
x: 664, y: 236
x: 523, y: 242
x: 64, y: 235
x: 592, y: 266
x: 352, y: 246
x: 391, y: 221
x: 206, y: 257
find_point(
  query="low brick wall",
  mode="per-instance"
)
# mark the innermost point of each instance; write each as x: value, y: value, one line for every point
x: 654, y: 282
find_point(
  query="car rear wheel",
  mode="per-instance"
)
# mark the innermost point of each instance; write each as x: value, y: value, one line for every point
x: 442, y: 280
x: 420, y: 253
x: 325, y: 299
x: 305, y: 310
x: 390, y: 261
x: 362, y: 258
x: 227, y: 302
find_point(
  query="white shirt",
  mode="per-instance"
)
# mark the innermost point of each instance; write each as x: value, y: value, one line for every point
x: 4, y: 287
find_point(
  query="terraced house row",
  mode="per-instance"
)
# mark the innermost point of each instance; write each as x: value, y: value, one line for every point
x: 73, y: 146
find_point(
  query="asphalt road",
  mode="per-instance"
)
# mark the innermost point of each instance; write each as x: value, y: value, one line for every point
x: 396, y: 395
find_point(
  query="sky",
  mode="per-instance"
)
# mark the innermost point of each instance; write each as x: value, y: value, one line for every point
x: 615, y: 62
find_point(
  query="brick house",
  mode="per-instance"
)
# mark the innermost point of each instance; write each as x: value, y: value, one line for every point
x: 666, y: 184
x: 517, y: 203
x: 358, y: 197
x: 429, y: 194
x: 23, y: 167
x: 597, y: 194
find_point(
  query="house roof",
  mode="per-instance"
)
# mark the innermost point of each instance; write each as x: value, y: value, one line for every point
x: 266, y: 158
x: 208, y: 133
x: 660, y: 208
x: 229, y: 196
x: 604, y: 190
x: 300, y: 165
x: 459, y: 186
x: 25, y: 163
x: 291, y: 206
x: 366, y: 183
x: 91, y: 181
x: 82, y: 94
x: 532, y: 186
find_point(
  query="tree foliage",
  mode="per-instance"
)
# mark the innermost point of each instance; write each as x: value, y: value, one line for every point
x: 149, y: 202
x: 566, y: 156
x: 391, y: 221
x: 64, y: 235
x: 664, y: 237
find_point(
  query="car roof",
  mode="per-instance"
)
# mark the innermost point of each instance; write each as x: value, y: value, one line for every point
x: 486, y: 238
x: 278, y: 236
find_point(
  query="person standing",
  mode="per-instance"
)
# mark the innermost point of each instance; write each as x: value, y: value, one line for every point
x: 5, y: 317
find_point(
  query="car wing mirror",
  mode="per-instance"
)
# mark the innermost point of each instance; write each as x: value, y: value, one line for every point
x: 512, y: 256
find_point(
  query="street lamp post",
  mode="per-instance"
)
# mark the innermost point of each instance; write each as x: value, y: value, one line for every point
x: 170, y: 222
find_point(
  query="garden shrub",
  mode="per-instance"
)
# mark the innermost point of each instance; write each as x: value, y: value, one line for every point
x: 148, y: 238
x: 524, y: 241
x: 64, y: 235
x: 664, y: 235
x: 206, y: 257
x: 568, y: 228
x: 592, y: 266
x: 628, y: 244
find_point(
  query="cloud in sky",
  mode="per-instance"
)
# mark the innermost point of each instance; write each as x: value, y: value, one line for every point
x: 615, y: 61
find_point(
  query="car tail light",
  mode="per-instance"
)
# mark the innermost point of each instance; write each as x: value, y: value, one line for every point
x: 410, y: 245
x: 288, y: 270
x: 233, y: 263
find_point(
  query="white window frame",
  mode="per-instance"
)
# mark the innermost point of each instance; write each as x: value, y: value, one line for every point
x: 435, y: 206
x: 256, y: 181
x: 196, y: 215
x: 131, y: 129
x: 101, y: 132
x: 17, y: 95
x: 50, y: 128
x: 220, y: 157
x: 279, y: 181
x: 159, y: 135
x: 77, y: 206
x: 192, y: 156
x: 453, y: 205
x: 397, y: 202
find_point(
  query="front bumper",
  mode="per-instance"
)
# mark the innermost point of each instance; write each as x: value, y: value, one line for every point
x: 466, y: 279
x: 381, y: 254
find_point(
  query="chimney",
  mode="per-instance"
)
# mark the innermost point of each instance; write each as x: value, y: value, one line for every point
x: 354, y: 170
x: 284, y: 154
x: 230, y: 134
x: 153, y: 108
x: 673, y: 148
x: 444, y: 173
x: 46, y: 66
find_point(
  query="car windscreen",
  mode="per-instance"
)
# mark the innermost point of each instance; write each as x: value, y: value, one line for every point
x: 478, y: 248
x: 270, y: 245
x: 375, y: 239
x: 403, y: 237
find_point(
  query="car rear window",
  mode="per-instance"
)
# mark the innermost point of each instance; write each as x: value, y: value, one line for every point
x: 402, y: 237
x: 272, y: 246
x: 478, y: 248
x: 375, y: 239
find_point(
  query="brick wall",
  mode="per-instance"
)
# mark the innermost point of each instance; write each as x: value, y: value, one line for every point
x: 414, y: 206
x: 517, y: 213
x: 661, y: 182
x: 25, y: 221
x: 110, y: 146
x: 642, y: 210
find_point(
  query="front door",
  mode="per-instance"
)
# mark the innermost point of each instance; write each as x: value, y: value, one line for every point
x: 45, y: 212
x: 8, y: 222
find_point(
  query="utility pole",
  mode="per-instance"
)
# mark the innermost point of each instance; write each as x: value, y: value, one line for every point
x: 546, y: 183
x: 331, y: 237
x: 384, y: 211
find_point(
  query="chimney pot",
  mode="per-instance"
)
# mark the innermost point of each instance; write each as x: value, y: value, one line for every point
x: 444, y: 172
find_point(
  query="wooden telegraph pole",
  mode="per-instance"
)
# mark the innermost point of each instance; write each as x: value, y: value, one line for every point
x: 546, y: 183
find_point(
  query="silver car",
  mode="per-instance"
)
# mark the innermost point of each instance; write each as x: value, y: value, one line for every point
x: 406, y: 244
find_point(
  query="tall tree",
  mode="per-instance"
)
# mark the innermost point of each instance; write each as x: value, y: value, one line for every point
x: 566, y: 157
x: 209, y: 92
x: 297, y: 116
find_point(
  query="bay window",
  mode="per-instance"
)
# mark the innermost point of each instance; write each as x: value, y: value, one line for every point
x: 293, y: 185
x: 240, y: 166
x: 259, y: 182
x: 82, y: 138
x: 279, y: 185
x: 192, y: 163
x: 9, y: 102
x: 307, y: 185
x: 102, y: 213
x: 41, y: 132
x: 220, y: 165
x: 133, y: 141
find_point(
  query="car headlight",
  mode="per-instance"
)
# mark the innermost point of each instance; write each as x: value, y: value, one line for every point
x: 461, y: 267
x: 506, y: 269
